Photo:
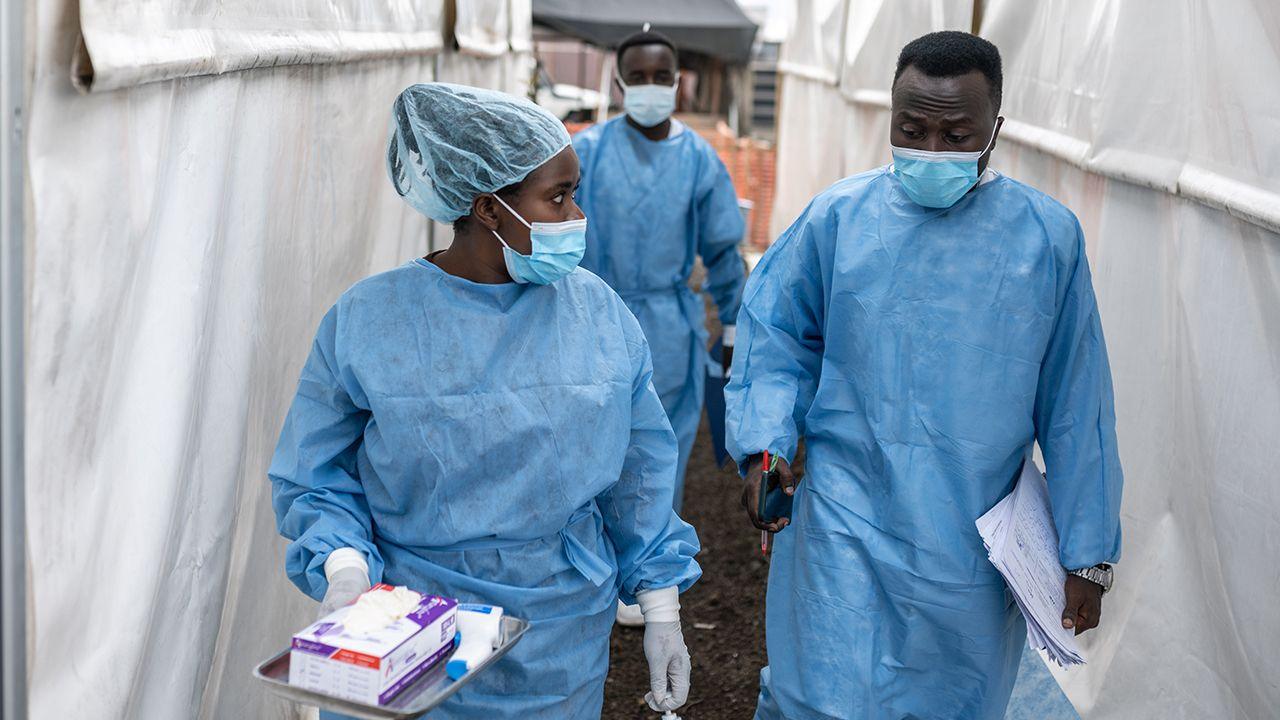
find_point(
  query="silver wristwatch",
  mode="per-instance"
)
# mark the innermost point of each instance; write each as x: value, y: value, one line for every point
x: 1100, y: 574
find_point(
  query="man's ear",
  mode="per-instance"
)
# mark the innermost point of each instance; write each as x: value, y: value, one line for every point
x: 485, y: 210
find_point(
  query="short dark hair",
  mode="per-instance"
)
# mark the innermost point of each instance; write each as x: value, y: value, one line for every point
x: 645, y: 37
x: 950, y: 53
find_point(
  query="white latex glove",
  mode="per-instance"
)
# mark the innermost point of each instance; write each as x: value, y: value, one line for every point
x: 345, y: 585
x: 665, y: 650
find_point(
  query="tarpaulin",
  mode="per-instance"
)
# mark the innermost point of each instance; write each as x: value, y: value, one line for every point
x: 482, y: 28
x: 717, y: 28
x: 184, y: 238
x: 1159, y: 125
x: 130, y: 42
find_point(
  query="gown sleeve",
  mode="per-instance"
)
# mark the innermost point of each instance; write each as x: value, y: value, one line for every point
x: 655, y: 548
x: 780, y: 341
x: 317, y: 495
x: 720, y: 228
x: 1075, y: 423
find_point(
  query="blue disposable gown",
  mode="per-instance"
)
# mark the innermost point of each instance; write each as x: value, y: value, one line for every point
x: 919, y: 352
x: 653, y: 207
x: 493, y: 443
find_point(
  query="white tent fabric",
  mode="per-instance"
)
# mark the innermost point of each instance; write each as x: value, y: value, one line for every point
x: 130, y: 42
x: 810, y: 151
x: 520, y: 16
x: 1183, y: 101
x: 1158, y: 125
x: 813, y: 50
x: 184, y: 239
x: 811, y: 145
x: 482, y: 28
x: 1120, y: 106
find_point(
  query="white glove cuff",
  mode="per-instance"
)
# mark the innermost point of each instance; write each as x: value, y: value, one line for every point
x: 728, y: 334
x: 660, y: 604
x: 344, y: 558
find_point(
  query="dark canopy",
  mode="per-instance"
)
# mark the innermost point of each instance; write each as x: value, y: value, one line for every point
x: 711, y: 27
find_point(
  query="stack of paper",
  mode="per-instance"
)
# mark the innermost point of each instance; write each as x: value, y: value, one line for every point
x: 1022, y: 543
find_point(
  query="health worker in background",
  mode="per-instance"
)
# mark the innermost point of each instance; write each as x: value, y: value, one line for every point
x: 920, y: 326
x: 481, y: 423
x: 658, y: 197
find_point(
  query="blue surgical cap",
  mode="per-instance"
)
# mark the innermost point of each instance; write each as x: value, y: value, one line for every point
x: 453, y: 143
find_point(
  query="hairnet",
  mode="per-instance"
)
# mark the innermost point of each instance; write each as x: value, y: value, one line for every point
x: 451, y: 143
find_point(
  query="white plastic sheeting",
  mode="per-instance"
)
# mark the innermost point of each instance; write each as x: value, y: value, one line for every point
x: 520, y: 16
x: 1120, y: 105
x: 813, y: 50
x: 810, y: 149
x: 1159, y: 125
x: 184, y: 239
x: 1190, y: 299
x: 130, y: 42
x: 1197, y: 104
x: 481, y: 27
x: 811, y: 146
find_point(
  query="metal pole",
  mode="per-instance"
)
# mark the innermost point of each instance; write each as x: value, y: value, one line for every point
x: 13, y: 565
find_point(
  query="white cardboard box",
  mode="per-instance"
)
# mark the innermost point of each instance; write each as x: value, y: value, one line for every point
x: 371, y: 668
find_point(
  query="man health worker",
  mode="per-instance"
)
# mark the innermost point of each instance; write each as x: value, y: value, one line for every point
x: 920, y: 326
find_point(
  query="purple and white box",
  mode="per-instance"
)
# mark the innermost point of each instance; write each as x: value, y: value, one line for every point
x: 373, y: 667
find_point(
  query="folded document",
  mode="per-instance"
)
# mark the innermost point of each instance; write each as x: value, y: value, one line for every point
x: 1022, y: 543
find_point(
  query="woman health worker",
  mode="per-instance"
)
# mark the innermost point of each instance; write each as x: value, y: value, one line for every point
x: 481, y: 423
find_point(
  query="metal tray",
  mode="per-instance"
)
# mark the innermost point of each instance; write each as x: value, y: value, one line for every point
x: 424, y: 695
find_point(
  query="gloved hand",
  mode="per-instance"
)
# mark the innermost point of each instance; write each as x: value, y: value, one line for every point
x: 664, y: 649
x: 345, y: 586
x: 668, y: 665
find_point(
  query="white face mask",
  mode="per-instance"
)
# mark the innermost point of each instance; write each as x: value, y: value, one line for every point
x: 649, y: 105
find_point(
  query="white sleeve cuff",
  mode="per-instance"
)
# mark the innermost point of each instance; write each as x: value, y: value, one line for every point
x: 344, y: 558
x: 728, y: 334
x: 659, y: 604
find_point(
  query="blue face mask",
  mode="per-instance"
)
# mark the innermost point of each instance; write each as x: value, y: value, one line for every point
x: 557, y: 250
x: 937, y: 179
x: 649, y: 105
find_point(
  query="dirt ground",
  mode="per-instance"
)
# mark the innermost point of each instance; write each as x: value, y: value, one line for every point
x: 723, y: 614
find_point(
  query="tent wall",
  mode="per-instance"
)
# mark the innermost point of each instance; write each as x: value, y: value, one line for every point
x: 185, y: 237
x: 810, y: 146
x: 130, y: 42
x: 1160, y: 127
